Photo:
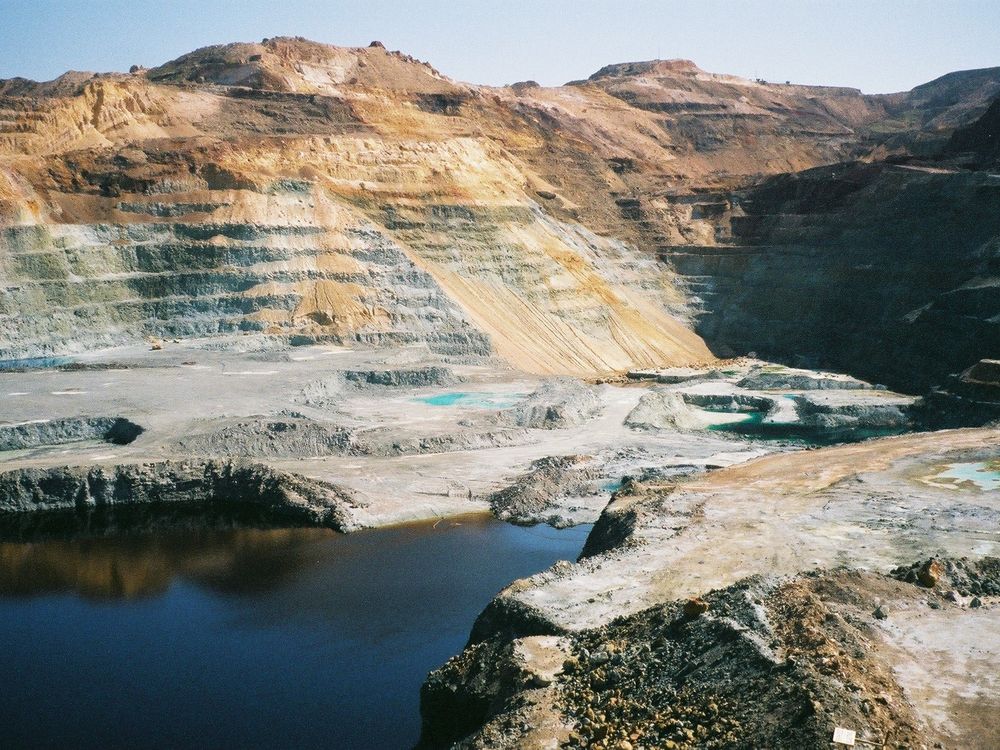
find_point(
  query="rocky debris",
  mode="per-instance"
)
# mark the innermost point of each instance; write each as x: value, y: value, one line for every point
x: 285, y: 496
x: 293, y: 435
x: 770, y: 378
x: 268, y: 437
x: 674, y: 375
x: 533, y: 496
x: 459, y: 698
x: 323, y: 393
x: 929, y: 573
x: 245, y: 344
x: 618, y: 521
x: 414, y: 378
x: 117, y: 430
x: 962, y: 577
x: 663, y: 410
x: 730, y: 402
x: 557, y: 403
x: 329, y: 391
x: 387, y: 441
x: 773, y: 515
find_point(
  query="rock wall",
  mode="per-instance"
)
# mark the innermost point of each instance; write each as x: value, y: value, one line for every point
x: 284, y: 496
x: 359, y: 196
x: 888, y: 272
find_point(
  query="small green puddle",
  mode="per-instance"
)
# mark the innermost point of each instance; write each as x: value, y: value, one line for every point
x: 473, y: 400
x: 979, y: 473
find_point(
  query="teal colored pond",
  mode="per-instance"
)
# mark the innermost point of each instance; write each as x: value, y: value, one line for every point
x: 976, y: 472
x: 245, y: 638
x: 474, y: 399
x: 754, y: 425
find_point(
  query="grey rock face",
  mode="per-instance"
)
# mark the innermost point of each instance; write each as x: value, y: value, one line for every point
x: 833, y: 410
x: 287, y: 496
x: 75, y: 287
x: 116, y: 430
x: 416, y: 378
x: 875, y: 269
x: 796, y: 380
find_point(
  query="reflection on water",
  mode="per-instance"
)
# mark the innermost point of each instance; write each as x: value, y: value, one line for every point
x: 133, y: 566
x: 241, y: 637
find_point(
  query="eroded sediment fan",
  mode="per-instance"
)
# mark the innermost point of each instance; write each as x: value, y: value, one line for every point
x: 358, y: 195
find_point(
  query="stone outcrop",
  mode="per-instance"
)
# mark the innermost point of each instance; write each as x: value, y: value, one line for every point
x: 834, y: 410
x: 413, y: 378
x: 764, y: 662
x: 117, y: 430
x: 283, y: 496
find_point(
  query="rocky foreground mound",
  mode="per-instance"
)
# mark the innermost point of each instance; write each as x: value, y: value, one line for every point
x: 761, y: 663
x: 762, y: 605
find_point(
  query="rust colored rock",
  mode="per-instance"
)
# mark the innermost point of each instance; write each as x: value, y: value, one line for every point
x: 695, y: 607
x: 930, y: 573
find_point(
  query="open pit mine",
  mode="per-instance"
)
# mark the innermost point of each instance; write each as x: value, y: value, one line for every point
x: 346, y: 405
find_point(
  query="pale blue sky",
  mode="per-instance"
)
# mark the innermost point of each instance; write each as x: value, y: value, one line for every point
x: 876, y: 45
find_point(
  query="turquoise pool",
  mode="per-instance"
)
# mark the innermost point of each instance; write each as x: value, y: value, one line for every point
x: 473, y: 399
x: 976, y: 472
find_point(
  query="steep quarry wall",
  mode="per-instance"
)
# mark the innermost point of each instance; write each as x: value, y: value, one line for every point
x: 888, y: 272
x: 359, y: 196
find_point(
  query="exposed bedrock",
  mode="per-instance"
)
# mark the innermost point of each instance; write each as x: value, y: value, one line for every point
x: 117, y: 430
x: 889, y: 272
x: 357, y: 195
x: 689, y: 621
x: 769, y: 377
x: 734, y: 402
x: 282, y: 495
x: 70, y: 288
x: 832, y: 410
x: 329, y: 391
